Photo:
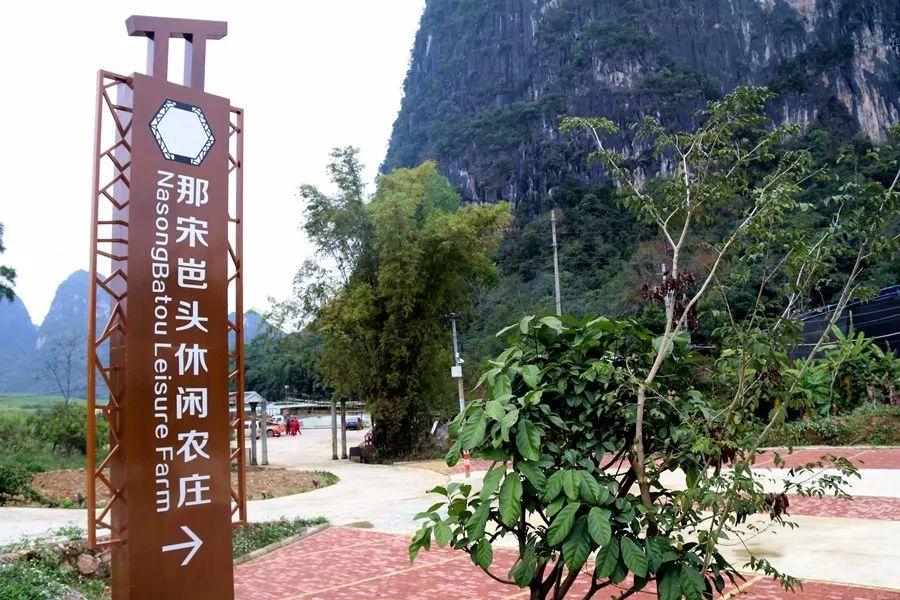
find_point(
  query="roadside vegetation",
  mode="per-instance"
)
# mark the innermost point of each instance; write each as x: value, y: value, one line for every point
x: 585, y: 417
x: 37, y: 437
x: 42, y: 568
x: 254, y: 536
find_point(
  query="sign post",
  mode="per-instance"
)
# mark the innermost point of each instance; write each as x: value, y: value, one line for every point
x: 174, y: 238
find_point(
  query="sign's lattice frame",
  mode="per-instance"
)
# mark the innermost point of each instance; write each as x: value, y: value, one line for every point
x: 109, y: 240
x: 236, y: 298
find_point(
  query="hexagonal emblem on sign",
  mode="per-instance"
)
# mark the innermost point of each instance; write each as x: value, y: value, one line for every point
x: 182, y: 132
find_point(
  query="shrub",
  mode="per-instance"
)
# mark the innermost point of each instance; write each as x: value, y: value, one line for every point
x: 13, y: 482
x: 254, y: 536
x: 65, y: 428
x: 870, y: 424
x: 861, y: 372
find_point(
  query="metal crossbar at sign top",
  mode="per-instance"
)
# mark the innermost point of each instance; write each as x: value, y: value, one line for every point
x: 107, y: 302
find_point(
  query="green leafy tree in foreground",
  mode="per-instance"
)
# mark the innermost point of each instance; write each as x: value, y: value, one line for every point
x: 415, y: 256
x: 7, y: 274
x: 620, y: 449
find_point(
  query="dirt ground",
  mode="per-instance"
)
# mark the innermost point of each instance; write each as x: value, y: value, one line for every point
x: 68, y: 487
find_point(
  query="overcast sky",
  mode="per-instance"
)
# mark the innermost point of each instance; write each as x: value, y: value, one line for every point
x: 310, y: 75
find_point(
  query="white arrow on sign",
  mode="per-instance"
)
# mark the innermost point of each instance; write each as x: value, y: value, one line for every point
x: 194, y: 545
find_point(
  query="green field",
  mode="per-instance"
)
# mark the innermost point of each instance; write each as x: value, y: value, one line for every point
x: 29, y: 403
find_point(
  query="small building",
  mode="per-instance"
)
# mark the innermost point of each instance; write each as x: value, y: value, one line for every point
x: 248, y: 398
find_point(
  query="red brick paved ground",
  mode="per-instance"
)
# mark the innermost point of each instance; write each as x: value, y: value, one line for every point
x: 860, y: 507
x: 345, y: 564
x: 864, y: 458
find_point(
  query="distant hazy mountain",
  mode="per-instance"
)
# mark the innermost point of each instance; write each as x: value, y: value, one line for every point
x: 29, y: 355
x: 18, y: 338
x: 252, y: 322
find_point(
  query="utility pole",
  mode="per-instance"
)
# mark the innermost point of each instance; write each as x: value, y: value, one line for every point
x: 555, y: 259
x: 456, y: 369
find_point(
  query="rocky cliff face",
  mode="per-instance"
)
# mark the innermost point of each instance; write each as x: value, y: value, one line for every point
x: 488, y: 79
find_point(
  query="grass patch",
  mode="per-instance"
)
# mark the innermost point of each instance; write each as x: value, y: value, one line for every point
x: 29, y: 403
x: 328, y: 477
x: 254, y: 536
x: 34, y: 579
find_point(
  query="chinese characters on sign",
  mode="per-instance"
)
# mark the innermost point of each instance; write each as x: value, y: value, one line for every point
x: 177, y: 427
x: 179, y: 389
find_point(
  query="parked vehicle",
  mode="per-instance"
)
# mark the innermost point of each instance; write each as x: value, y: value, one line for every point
x: 272, y: 429
x: 355, y: 422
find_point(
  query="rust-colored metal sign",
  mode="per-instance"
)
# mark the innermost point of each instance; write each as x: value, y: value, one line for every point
x: 172, y: 248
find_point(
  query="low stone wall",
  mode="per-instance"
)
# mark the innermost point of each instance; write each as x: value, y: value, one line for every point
x: 71, y: 554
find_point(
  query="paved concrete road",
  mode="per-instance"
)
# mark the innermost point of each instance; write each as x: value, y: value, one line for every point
x: 385, y: 496
x: 826, y: 546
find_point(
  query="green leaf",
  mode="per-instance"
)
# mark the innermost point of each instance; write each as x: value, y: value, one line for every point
x: 525, y: 322
x: 528, y: 441
x: 478, y: 521
x: 491, y: 481
x: 598, y: 525
x: 620, y: 572
x: 453, y: 453
x: 508, y: 421
x: 657, y: 344
x: 533, y: 474
x: 511, y: 499
x: 474, y: 429
x: 523, y: 571
x: 607, y: 559
x: 562, y: 524
x: 557, y: 421
x: 691, y: 474
x: 483, y: 554
x: 654, y: 554
x: 530, y: 375
x: 421, y: 539
x: 494, y: 410
x: 590, y: 488
x: 572, y: 484
x: 506, y: 330
x: 532, y: 398
x: 501, y: 387
x: 442, y: 533
x: 669, y: 584
x: 577, y: 547
x: 691, y: 583
x: 552, y: 322
x: 634, y: 557
x: 554, y: 507
x: 487, y: 375
x: 554, y: 486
